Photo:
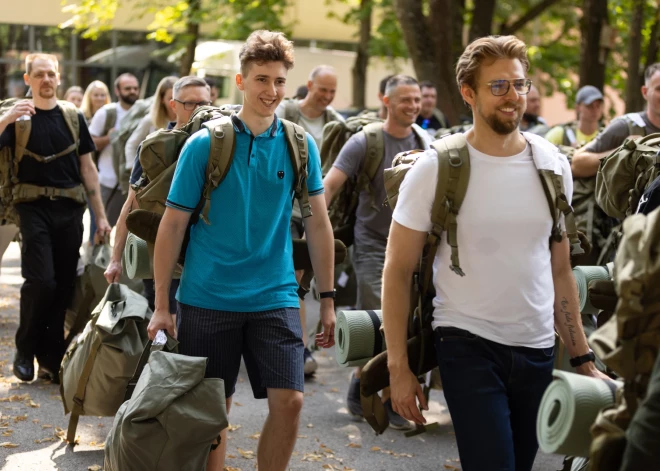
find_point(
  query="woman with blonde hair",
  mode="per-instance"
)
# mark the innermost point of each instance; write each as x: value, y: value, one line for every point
x: 159, y: 117
x: 96, y: 96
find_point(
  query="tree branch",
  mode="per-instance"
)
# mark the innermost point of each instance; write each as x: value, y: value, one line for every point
x: 533, y: 12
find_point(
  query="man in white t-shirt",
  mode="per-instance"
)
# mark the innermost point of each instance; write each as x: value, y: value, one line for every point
x: 493, y: 326
x: 105, y: 122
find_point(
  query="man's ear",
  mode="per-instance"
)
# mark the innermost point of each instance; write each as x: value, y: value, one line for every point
x: 239, y: 82
x: 645, y: 90
x: 26, y: 78
x: 468, y: 94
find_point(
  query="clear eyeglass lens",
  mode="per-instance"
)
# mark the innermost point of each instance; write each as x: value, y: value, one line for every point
x: 499, y: 87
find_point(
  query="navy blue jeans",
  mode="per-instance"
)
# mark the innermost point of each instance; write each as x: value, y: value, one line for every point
x: 493, y: 392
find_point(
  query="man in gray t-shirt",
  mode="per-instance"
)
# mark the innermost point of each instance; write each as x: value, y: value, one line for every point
x: 403, y: 101
x: 586, y: 161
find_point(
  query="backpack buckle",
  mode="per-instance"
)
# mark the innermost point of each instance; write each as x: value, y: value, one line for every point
x: 218, y: 132
x: 300, y: 137
x: 455, y: 159
x: 49, y: 158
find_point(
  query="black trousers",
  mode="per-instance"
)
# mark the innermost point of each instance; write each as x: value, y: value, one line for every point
x: 52, y: 233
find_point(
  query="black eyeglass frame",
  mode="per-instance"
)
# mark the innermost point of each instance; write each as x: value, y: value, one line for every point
x: 194, y: 104
x: 526, y: 82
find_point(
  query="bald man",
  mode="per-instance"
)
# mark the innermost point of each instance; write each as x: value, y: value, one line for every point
x: 314, y: 111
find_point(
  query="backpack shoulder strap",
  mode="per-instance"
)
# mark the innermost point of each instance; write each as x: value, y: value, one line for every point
x: 453, y: 179
x: 70, y: 113
x: 23, y: 129
x: 373, y: 158
x: 636, y: 125
x: 292, y: 111
x: 296, y: 139
x: 553, y: 187
x: 421, y: 136
x: 110, y: 117
x: 570, y: 136
x: 221, y: 155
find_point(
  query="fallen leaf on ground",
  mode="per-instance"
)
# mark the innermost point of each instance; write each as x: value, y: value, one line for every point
x: 238, y: 404
x: 448, y: 466
x: 7, y: 433
x: 94, y: 467
x: 229, y: 468
x: 47, y: 439
x: 34, y: 405
x: 231, y: 456
x: 312, y: 457
x: 354, y: 445
x: 46, y: 426
x: 334, y: 390
x: 232, y: 428
x: 375, y: 448
x: 247, y: 454
x: 20, y: 418
x: 35, y: 421
x: 302, y: 436
x: 310, y: 425
x: 8, y: 445
x: 256, y: 436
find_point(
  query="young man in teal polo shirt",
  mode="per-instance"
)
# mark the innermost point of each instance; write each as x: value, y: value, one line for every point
x: 238, y: 289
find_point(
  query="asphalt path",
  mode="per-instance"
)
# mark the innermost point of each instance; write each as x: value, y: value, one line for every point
x: 32, y: 419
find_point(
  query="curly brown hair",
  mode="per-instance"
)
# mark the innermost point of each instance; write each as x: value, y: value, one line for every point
x: 488, y: 48
x: 266, y: 46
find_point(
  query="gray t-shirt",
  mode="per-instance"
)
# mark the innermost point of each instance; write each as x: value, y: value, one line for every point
x: 617, y: 132
x: 373, y: 220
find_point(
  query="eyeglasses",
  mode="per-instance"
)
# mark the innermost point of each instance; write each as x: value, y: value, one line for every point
x: 501, y: 87
x: 191, y: 105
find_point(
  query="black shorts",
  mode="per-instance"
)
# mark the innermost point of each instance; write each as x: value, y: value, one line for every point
x: 270, y: 343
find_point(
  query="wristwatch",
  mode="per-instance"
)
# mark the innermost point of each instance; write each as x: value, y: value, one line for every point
x: 328, y: 294
x: 581, y: 360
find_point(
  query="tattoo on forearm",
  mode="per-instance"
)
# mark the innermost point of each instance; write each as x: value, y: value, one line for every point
x: 568, y: 317
x: 91, y: 192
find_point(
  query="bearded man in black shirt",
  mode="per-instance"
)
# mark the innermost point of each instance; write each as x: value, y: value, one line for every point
x: 54, y: 173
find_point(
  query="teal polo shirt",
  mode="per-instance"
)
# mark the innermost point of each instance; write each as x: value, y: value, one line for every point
x: 243, y: 260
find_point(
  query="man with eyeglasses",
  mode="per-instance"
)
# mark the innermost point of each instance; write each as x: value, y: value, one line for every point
x: 105, y: 124
x: 494, y: 323
x: 188, y: 94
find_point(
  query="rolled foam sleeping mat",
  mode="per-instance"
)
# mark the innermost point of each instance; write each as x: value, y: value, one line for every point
x: 358, y: 337
x: 583, y: 276
x: 136, y: 257
x: 569, y: 408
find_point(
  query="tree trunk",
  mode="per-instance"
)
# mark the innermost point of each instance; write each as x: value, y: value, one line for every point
x: 192, y: 36
x: 593, y: 57
x: 434, y: 44
x: 482, y: 19
x: 634, y: 57
x: 362, y: 57
x: 652, y: 51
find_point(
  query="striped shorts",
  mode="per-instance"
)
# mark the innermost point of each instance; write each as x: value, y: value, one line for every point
x: 270, y: 343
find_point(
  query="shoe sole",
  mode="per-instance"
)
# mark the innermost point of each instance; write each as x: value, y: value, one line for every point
x: 27, y: 380
x: 310, y: 368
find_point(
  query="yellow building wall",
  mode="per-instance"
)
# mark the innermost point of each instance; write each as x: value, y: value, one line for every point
x: 309, y: 17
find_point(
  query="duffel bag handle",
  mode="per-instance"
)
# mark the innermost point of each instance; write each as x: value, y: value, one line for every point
x: 170, y: 346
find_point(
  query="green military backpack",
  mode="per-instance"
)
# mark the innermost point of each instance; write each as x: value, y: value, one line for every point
x: 453, y: 179
x: 12, y: 191
x: 158, y: 428
x: 625, y: 174
x: 159, y: 155
x: 128, y: 125
x: 630, y: 340
x: 97, y: 367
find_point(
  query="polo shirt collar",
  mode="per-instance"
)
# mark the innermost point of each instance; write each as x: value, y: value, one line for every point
x: 240, y: 126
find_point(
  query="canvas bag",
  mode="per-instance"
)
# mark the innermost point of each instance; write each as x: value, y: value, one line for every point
x: 97, y: 367
x: 171, y: 420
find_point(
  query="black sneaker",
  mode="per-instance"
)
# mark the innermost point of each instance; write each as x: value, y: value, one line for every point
x: 23, y: 367
x: 396, y: 421
x: 310, y: 363
x: 353, y: 403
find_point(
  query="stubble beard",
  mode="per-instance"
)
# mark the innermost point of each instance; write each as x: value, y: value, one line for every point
x: 499, y: 126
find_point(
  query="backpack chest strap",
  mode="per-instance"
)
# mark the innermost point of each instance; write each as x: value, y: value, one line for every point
x: 48, y: 158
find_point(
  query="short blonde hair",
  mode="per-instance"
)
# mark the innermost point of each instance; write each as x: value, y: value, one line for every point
x: 30, y: 58
x: 158, y: 112
x: 86, y: 106
x: 484, y: 49
x: 266, y: 46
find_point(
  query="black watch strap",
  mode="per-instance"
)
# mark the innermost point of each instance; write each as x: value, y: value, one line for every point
x: 581, y: 360
x: 328, y: 294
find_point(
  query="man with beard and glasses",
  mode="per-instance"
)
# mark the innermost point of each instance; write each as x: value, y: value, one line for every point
x: 402, y: 99
x: 55, y: 174
x: 493, y: 326
x: 531, y: 119
x: 105, y: 124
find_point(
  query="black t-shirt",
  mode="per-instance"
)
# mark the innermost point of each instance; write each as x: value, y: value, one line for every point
x: 650, y: 199
x: 48, y: 136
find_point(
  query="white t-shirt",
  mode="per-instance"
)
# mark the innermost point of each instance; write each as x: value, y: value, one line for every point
x: 314, y: 126
x: 107, y: 176
x: 507, y: 293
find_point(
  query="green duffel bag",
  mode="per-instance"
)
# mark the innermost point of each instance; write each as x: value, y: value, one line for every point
x: 97, y: 367
x: 173, y: 419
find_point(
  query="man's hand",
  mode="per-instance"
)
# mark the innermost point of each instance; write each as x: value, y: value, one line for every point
x: 113, y: 272
x: 103, y: 230
x: 405, y: 391
x: 326, y: 338
x: 21, y: 108
x: 589, y: 369
x: 161, y: 320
